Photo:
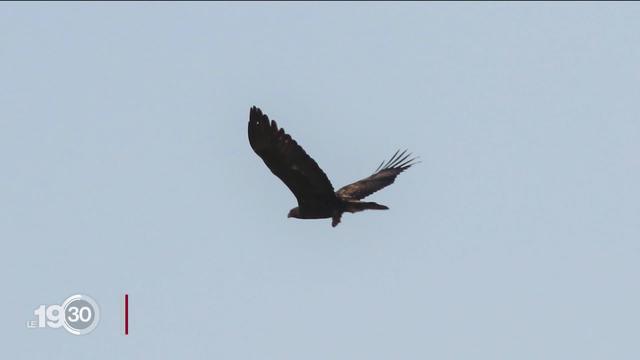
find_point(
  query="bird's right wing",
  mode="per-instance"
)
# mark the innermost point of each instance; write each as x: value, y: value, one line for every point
x: 287, y: 160
x: 383, y: 176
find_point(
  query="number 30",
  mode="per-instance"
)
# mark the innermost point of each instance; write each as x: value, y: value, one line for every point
x: 83, y: 314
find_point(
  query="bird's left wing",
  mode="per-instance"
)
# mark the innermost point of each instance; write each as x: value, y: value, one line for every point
x: 383, y: 176
x: 288, y: 160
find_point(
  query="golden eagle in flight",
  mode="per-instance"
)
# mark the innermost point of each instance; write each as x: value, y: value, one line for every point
x: 310, y: 185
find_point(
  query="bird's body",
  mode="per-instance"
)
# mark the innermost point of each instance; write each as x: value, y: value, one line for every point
x: 310, y: 185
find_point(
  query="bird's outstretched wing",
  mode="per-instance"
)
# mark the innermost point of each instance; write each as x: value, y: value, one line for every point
x: 383, y: 176
x: 288, y: 161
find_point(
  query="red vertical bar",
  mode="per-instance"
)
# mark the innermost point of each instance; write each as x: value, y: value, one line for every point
x: 126, y: 314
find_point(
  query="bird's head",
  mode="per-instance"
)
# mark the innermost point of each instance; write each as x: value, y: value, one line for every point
x: 294, y: 213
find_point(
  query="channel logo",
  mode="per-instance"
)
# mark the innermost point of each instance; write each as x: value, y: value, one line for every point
x: 78, y: 314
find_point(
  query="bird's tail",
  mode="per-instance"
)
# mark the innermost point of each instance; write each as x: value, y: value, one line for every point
x: 355, y: 206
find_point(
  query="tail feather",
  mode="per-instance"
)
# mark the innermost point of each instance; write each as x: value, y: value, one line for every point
x: 355, y: 206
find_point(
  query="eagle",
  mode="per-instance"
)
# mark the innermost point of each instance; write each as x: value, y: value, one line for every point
x: 309, y: 184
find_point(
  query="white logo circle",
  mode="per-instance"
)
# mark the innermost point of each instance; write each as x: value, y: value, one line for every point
x: 81, y: 314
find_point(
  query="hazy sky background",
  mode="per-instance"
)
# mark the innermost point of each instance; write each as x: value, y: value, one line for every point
x: 125, y: 167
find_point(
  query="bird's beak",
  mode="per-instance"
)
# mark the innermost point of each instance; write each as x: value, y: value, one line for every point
x: 288, y: 215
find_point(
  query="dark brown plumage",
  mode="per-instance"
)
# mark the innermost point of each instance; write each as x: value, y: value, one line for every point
x: 310, y: 185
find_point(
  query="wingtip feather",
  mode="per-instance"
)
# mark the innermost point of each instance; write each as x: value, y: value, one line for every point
x: 399, y: 160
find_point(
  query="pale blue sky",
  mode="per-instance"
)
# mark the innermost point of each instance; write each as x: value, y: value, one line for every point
x: 125, y: 167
